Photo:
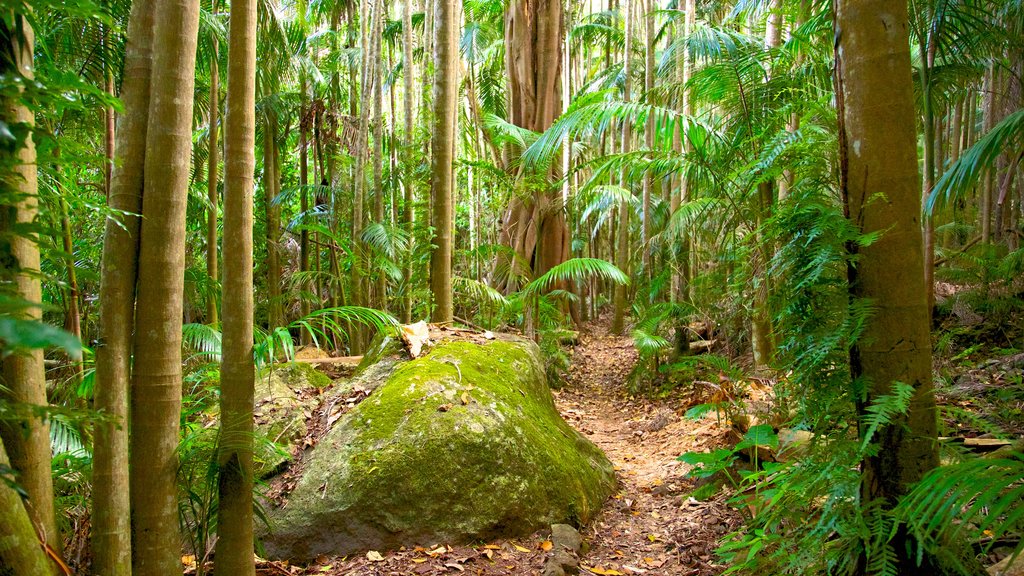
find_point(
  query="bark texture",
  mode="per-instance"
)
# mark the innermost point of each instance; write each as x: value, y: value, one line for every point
x: 442, y: 158
x: 23, y: 376
x: 156, y: 378
x: 878, y: 152
x: 20, y: 552
x: 111, y: 529
x: 534, y: 223
x: 234, y: 553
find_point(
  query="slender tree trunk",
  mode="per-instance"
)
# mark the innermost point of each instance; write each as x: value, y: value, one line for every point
x: 111, y: 529
x: 408, y: 157
x: 156, y: 378
x: 234, y: 552
x: 271, y: 185
x: 620, y: 292
x: 442, y: 158
x: 23, y: 375
x: 380, y: 282
x: 878, y: 153
x: 211, y: 185
x: 648, y: 12
x: 305, y: 338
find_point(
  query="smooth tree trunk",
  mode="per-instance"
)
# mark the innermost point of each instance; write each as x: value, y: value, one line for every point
x: 305, y: 288
x: 648, y: 184
x: 408, y: 157
x: 212, y: 173
x: 234, y: 552
x: 271, y: 188
x: 620, y: 293
x: 442, y: 157
x: 157, y: 372
x: 23, y: 375
x: 881, y: 189
x: 111, y: 529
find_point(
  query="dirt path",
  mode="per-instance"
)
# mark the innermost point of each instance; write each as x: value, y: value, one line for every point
x: 650, y: 526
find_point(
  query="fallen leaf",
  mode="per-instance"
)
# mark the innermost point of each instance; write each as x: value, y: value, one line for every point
x: 455, y: 567
x: 465, y: 398
x: 520, y: 548
x: 189, y: 560
x: 374, y: 556
x: 601, y: 571
x: 419, y: 560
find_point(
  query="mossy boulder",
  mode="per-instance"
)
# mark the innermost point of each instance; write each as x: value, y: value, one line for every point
x: 281, y: 411
x: 462, y: 444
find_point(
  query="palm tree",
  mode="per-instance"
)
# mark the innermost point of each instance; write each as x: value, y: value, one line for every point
x: 878, y: 147
x: 24, y: 375
x: 235, y: 542
x: 157, y: 371
x: 118, y: 277
x: 446, y: 93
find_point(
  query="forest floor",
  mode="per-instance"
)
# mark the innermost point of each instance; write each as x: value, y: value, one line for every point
x: 649, y: 526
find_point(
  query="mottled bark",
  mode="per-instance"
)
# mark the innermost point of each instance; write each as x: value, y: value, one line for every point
x: 622, y: 236
x: 881, y: 190
x: 23, y: 375
x: 234, y: 552
x: 157, y: 372
x: 442, y: 157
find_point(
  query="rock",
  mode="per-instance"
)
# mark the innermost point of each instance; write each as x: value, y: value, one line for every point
x: 566, y: 547
x: 1005, y: 568
x: 565, y: 536
x: 463, y: 443
x: 280, y: 412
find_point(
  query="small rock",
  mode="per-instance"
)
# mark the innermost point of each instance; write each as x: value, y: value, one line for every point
x: 1005, y: 568
x: 565, y: 536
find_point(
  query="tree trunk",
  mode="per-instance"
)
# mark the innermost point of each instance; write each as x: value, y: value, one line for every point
x: 111, y: 529
x: 23, y: 376
x: 20, y: 552
x: 211, y: 185
x: 650, y: 40
x: 535, y: 228
x: 442, y: 157
x: 620, y: 292
x: 156, y: 378
x: 234, y: 553
x: 380, y: 281
x: 878, y: 154
x: 408, y: 157
x: 305, y: 338
x: 271, y: 188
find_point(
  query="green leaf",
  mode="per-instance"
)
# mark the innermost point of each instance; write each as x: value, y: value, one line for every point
x: 17, y: 335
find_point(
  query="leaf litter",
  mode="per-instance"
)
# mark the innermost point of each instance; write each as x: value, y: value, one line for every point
x: 650, y: 526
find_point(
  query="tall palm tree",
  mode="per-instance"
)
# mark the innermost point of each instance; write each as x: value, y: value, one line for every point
x: 157, y: 372
x: 24, y: 375
x: 118, y: 277
x: 878, y: 151
x: 235, y: 526
x: 442, y: 157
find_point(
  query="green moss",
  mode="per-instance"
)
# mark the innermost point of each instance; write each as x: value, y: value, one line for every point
x: 463, y: 443
x: 296, y: 375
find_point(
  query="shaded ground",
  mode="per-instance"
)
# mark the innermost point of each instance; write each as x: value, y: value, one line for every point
x: 648, y: 527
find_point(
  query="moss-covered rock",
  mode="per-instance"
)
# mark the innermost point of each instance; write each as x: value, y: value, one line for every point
x: 464, y: 443
x: 281, y: 412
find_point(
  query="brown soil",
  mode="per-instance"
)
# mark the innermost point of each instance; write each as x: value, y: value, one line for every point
x: 650, y: 526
